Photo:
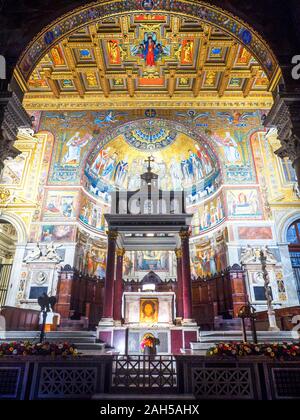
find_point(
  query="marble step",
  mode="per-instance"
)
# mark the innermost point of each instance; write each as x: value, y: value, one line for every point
x: 52, y: 333
x: 89, y: 346
x: 143, y: 397
x: 208, y: 339
x: 55, y: 336
x: 237, y: 335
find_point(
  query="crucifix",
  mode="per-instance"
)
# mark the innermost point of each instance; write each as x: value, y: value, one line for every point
x: 149, y: 160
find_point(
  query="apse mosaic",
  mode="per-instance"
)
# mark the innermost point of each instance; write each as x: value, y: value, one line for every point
x: 179, y: 161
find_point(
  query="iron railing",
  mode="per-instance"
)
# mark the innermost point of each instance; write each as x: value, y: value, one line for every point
x: 5, y: 272
x: 149, y: 374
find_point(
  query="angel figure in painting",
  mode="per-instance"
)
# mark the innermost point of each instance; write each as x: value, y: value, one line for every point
x: 100, y: 162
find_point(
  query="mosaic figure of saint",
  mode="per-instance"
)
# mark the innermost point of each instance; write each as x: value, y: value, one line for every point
x: 100, y: 161
x: 230, y: 148
x: 176, y: 174
x: 121, y: 171
x: 110, y: 167
x: 74, y: 145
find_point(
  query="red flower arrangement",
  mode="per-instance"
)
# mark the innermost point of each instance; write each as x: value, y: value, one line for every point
x: 37, y: 349
x: 149, y: 341
x: 275, y: 351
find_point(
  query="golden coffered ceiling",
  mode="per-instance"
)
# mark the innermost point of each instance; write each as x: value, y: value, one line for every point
x: 148, y: 59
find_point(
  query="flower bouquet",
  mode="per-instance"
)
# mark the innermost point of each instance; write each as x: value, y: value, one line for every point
x: 280, y: 351
x: 149, y: 343
x: 26, y: 348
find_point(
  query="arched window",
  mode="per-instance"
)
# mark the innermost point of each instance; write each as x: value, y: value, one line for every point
x: 293, y: 233
x: 293, y: 238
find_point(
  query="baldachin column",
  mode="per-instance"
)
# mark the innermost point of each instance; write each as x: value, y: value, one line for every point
x: 108, y: 304
x: 118, y: 287
x: 179, y: 314
x: 186, y: 276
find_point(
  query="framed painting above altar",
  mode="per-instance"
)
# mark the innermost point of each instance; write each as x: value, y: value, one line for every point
x: 149, y: 310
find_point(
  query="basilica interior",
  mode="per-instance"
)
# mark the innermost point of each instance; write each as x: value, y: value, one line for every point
x: 150, y: 187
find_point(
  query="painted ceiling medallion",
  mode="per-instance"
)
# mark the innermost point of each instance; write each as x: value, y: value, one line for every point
x: 150, y: 135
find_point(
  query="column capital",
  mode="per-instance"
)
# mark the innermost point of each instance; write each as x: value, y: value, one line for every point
x: 112, y: 234
x: 285, y: 116
x: 121, y: 252
x: 178, y: 253
x: 185, y: 234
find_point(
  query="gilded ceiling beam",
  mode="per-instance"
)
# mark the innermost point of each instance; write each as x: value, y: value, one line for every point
x: 72, y: 66
x: 80, y: 44
x: 198, y: 82
x: 99, y: 61
x: 201, y: 61
x: 172, y: 82
x: 130, y: 83
x: 78, y: 84
x: 53, y: 85
x: 229, y: 65
x: 250, y: 82
x: 92, y: 101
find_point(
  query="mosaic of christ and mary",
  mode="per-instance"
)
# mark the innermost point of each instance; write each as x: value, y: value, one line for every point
x: 176, y: 174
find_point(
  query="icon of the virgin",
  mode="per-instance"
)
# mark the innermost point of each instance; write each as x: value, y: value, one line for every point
x: 149, y: 51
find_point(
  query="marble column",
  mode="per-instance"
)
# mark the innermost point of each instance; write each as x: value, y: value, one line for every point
x: 12, y: 117
x: 186, y: 277
x: 118, y: 287
x: 15, y: 276
x: 179, y: 296
x: 285, y: 116
x: 108, y: 305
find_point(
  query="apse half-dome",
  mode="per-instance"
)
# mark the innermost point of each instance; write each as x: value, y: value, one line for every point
x: 182, y: 159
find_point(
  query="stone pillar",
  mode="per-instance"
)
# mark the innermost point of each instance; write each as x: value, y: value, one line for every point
x: 186, y: 277
x: 285, y: 116
x: 12, y: 117
x: 118, y: 287
x: 179, y: 295
x: 64, y: 293
x: 108, y: 306
x: 15, y: 276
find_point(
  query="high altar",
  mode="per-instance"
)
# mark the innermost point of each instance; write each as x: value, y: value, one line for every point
x: 161, y: 223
